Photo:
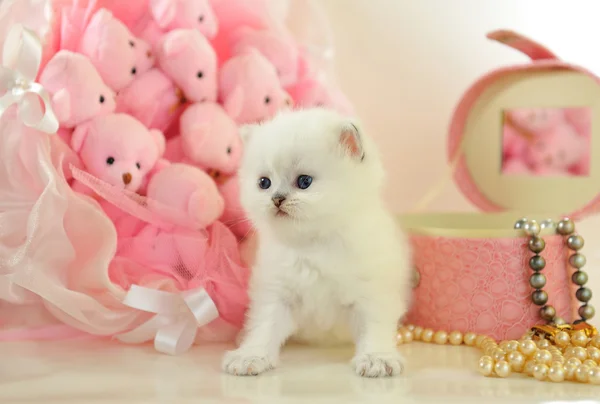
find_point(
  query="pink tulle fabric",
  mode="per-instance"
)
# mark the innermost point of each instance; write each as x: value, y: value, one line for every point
x: 60, y: 258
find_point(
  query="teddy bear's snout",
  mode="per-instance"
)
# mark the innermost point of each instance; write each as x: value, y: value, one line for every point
x: 127, y: 178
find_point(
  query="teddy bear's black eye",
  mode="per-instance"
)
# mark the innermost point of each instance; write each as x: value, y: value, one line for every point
x: 132, y: 44
x: 200, y: 74
x: 138, y: 166
x: 110, y: 161
x: 229, y: 150
x: 267, y: 99
x: 133, y: 71
x: 101, y: 99
x: 201, y: 18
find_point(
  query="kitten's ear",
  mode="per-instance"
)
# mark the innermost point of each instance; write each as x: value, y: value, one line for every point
x: 350, y: 140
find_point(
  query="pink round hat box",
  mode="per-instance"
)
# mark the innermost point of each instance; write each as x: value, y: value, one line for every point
x: 471, y: 269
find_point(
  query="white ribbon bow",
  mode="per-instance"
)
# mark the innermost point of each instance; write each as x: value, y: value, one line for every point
x: 21, y: 58
x: 178, y: 317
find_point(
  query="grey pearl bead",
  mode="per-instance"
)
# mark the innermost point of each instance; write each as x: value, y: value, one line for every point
x: 587, y: 312
x: 565, y: 227
x: 584, y: 295
x: 575, y: 242
x: 548, y: 223
x: 579, y: 278
x: 539, y: 297
x: 548, y: 313
x: 532, y: 228
x: 577, y: 260
x: 519, y: 224
x: 537, y: 245
x: 537, y: 281
x: 559, y: 321
x: 537, y: 263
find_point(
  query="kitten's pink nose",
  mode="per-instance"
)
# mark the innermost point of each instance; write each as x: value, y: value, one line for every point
x: 278, y: 200
x: 127, y: 178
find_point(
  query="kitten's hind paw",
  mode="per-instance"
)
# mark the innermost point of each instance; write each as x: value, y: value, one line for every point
x: 378, y: 364
x: 245, y: 363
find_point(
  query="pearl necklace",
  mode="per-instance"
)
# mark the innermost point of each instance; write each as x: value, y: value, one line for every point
x: 556, y: 352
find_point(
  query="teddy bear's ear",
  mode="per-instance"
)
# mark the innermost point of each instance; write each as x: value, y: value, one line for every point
x: 246, y: 131
x: 234, y: 104
x: 163, y: 12
x: 61, y: 105
x: 159, y: 140
x: 79, y: 135
x: 175, y: 43
x: 100, y: 18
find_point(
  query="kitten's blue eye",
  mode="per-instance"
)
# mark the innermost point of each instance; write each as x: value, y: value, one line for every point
x: 264, y: 183
x: 304, y: 181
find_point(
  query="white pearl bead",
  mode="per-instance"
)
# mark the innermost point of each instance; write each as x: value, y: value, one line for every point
x: 527, y: 347
x: 556, y: 373
x: 427, y: 335
x: 594, y: 376
x: 582, y: 374
x: 580, y: 353
x: 470, y: 338
x: 499, y: 354
x: 543, y: 356
x: 502, y: 369
x: 479, y: 340
x: 540, y: 371
x: 417, y: 332
x: 579, y: 339
x: 512, y: 346
x: 543, y: 344
x: 516, y: 360
x: 440, y: 337
x: 399, y: 340
x: 589, y: 363
x: 410, y: 327
x: 455, y: 338
x: 528, y: 368
x: 486, y: 367
x: 407, y: 336
x: 562, y: 339
x: 570, y: 371
x: 593, y: 353
x: 573, y: 361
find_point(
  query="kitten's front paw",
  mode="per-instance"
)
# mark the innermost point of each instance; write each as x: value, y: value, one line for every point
x: 378, y: 364
x: 245, y: 363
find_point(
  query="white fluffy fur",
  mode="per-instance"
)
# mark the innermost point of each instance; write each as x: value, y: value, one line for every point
x: 337, y: 267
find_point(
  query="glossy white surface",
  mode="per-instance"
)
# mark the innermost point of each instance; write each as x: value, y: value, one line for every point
x: 88, y: 372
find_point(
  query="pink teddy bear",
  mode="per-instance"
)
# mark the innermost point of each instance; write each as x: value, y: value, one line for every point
x: 249, y: 88
x: 277, y: 46
x: 234, y: 215
x: 187, y: 189
x: 187, y: 192
x: 209, y: 139
x: 167, y: 15
x: 118, y: 149
x: 117, y: 54
x: 78, y: 94
x: 188, y: 72
x: 312, y: 92
x: 77, y: 90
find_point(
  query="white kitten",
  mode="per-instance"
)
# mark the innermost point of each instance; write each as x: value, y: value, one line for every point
x: 331, y: 263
